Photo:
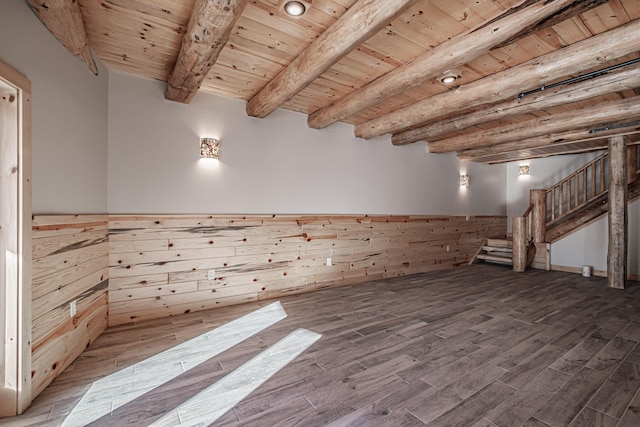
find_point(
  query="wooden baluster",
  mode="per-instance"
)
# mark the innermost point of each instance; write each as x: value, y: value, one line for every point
x: 576, y: 191
x: 632, y: 164
x: 560, y: 199
x: 585, y: 195
x: 594, y: 175
x: 603, y: 175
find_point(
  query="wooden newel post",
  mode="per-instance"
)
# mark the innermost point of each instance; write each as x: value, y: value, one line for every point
x: 618, y: 228
x: 519, y: 231
x: 632, y: 163
x: 538, y: 215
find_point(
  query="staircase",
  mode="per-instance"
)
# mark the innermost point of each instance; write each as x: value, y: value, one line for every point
x: 566, y: 206
x: 499, y: 251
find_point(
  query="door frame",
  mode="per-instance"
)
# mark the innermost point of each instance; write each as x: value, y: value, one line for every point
x: 18, y: 303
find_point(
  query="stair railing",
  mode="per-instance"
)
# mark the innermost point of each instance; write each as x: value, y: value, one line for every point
x: 578, y: 189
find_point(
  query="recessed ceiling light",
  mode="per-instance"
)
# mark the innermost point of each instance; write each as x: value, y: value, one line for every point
x: 294, y: 8
x: 449, y: 77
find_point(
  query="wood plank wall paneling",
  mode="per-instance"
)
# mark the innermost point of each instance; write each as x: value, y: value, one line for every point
x: 70, y: 262
x: 158, y: 264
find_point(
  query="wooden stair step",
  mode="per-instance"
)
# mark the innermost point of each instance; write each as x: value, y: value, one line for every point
x: 497, y: 249
x: 494, y: 258
x: 502, y: 243
x: 508, y: 255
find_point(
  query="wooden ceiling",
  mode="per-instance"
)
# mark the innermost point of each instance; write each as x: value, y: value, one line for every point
x: 377, y: 64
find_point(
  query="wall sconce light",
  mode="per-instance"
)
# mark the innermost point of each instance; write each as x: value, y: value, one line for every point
x: 464, y: 180
x: 296, y: 8
x: 523, y: 170
x: 209, y: 148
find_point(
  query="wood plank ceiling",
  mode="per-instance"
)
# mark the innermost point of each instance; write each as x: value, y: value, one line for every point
x: 377, y: 64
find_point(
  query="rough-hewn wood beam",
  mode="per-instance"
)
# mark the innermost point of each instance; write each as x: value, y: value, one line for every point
x: 575, y: 9
x: 573, y: 141
x: 618, y: 221
x: 63, y: 18
x: 609, y: 83
x: 576, y: 58
x: 452, y: 53
x: 361, y: 21
x: 595, y: 115
x: 208, y: 30
x: 535, y: 153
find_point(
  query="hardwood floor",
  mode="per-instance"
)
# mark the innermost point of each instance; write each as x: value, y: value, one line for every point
x: 473, y: 346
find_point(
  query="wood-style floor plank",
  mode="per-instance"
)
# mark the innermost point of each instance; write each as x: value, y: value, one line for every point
x: 475, y: 346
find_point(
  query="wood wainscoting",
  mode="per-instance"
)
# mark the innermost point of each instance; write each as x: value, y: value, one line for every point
x: 70, y: 263
x: 167, y: 265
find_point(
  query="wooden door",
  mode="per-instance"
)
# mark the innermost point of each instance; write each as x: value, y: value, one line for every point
x: 15, y: 243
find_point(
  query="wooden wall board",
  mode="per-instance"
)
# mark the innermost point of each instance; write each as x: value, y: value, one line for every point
x: 70, y: 262
x: 45, y: 307
x: 259, y: 256
x: 137, y: 312
x: 52, y: 359
x: 57, y: 280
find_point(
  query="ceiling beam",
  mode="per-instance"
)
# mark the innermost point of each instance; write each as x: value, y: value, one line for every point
x: 573, y: 148
x: 596, y: 115
x: 63, y: 19
x: 544, y: 142
x: 587, y: 89
x: 451, y: 53
x: 540, y: 153
x: 361, y: 21
x: 576, y: 58
x: 207, y: 33
x: 568, y: 12
x: 568, y: 147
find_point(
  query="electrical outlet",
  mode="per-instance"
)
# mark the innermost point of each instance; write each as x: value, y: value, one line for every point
x: 211, y: 274
x: 329, y: 262
x: 73, y: 308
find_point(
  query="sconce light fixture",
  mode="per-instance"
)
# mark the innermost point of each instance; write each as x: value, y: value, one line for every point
x: 296, y: 7
x: 464, y: 180
x: 523, y: 170
x: 209, y: 148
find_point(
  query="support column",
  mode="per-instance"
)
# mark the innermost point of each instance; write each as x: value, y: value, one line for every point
x: 538, y: 215
x: 519, y: 234
x: 618, y: 227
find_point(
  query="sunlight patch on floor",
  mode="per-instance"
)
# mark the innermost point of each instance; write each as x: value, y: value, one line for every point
x: 211, y: 403
x: 109, y: 393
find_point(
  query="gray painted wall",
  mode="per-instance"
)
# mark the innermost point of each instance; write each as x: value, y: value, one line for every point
x: 273, y: 165
x: 69, y: 106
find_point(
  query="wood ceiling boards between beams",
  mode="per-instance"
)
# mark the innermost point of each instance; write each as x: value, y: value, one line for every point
x: 356, y: 25
x: 576, y: 58
x: 609, y: 83
x: 207, y: 33
x: 63, y: 18
x: 452, y: 53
